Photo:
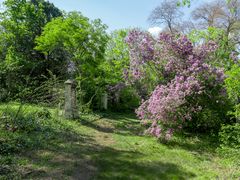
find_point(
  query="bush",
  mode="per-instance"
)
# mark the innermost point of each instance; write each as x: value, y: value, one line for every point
x: 22, y: 120
x: 232, y: 84
x: 7, y: 167
x: 17, y: 124
x: 7, y: 147
x: 189, y: 87
x: 230, y: 136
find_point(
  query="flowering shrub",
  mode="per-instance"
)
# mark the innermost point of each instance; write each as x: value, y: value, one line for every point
x: 189, y: 81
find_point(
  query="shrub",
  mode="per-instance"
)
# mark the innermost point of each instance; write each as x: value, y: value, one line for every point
x: 188, y: 87
x: 22, y: 120
x: 230, y: 136
x: 7, y: 167
x: 232, y: 84
x: 7, y: 147
x: 17, y: 124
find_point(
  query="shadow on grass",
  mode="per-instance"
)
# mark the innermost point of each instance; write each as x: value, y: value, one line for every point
x: 59, y: 151
x: 118, y: 123
x: 61, y: 155
x: 70, y: 155
x: 92, y: 161
x: 195, y: 143
x: 115, y: 164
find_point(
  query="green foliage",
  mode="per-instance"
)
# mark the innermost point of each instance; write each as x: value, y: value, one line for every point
x: 184, y: 3
x: 211, y: 33
x: 116, y: 61
x: 230, y: 136
x: 225, y: 49
x: 83, y: 43
x: 232, y: 84
x: 22, y: 127
x: 117, y: 57
x: 113, y: 144
x: 127, y: 101
x: 22, y: 120
x: 49, y: 93
x: 82, y: 40
x: 21, y: 22
x: 212, y: 113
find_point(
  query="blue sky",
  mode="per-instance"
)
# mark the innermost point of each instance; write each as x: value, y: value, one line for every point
x: 116, y: 14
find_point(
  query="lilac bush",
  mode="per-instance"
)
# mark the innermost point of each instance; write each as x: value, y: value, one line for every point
x: 187, y: 77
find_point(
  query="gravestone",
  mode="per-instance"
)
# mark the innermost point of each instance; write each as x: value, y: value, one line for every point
x: 104, y: 101
x: 70, y: 106
x: 117, y: 97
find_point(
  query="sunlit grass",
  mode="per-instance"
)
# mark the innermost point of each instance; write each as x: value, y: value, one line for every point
x: 108, y: 146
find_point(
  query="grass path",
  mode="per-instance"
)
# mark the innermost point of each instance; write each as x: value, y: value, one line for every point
x: 111, y: 146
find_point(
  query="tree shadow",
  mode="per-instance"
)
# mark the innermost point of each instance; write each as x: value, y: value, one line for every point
x: 104, y: 163
x: 68, y: 154
x: 196, y: 143
x: 60, y: 156
x: 117, y: 164
x: 118, y: 123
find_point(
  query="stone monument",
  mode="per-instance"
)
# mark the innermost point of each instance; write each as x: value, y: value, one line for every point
x: 70, y: 105
x: 104, y: 101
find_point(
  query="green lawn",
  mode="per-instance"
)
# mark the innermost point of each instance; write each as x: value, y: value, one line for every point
x: 107, y: 146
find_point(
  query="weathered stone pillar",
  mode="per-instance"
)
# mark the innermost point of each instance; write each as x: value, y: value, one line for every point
x: 104, y: 101
x: 70, y: 107
x: 117, y: 97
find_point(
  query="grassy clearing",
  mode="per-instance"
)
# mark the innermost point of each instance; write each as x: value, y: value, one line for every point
x: 107, y: 146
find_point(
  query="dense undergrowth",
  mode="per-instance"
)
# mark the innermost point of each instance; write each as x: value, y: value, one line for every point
x: 103, y: 146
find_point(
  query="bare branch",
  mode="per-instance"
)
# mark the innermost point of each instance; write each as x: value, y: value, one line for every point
x: 167, y: 14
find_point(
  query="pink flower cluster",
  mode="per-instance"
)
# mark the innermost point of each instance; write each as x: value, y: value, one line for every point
x: 187, y: 75
x: 142, y: 51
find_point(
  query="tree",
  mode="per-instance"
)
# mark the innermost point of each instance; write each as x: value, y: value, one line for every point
x: 226, y: 53
x: 219, y: 14
x: 232, y: 84
x: 83, y: 43
x: 121, y: 95
x: 49, y: 9
x: 210, y: 14
x: 117, y: 57
x: 167, y: 14
x: 21, y: 22
x: 223, y: 19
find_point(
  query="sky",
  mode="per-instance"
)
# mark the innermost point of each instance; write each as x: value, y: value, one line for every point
x: 117, y: 14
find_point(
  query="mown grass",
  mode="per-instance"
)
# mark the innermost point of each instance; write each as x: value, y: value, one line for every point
x: 107, y: 146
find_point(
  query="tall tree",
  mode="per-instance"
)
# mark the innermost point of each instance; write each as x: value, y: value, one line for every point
x: 225, y: 16
x: 209, y: 14
x: 117, y: 56
x: 20, y: 23
x: 167, y: 14
x: 219, y: 14
x: 83, y: 42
